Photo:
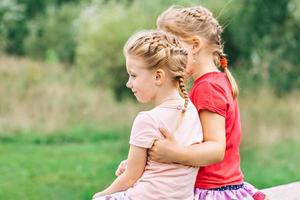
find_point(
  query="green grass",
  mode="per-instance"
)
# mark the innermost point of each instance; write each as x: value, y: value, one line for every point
x: 59, y: 166
x: 270, y: 165
x: 75, y: 164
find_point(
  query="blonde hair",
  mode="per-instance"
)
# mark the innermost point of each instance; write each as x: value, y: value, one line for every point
x: 190, y: 21
x: 160, y: 50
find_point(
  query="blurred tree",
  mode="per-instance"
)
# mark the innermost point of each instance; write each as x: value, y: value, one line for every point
x: 104, y: 27
x: 256, y: 20
x: 12, y: 26
x: 14, y: 18
x: 262, y: 36
x: 266, y: 35
x: 103, y: 32
x: 52, y: 35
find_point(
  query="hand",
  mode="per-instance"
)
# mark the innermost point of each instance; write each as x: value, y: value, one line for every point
x: 164, y: 150
x: 121, y: 168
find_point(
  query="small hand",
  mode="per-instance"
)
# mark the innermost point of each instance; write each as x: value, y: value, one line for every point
x: 121, y: 168
x: 163, y: 150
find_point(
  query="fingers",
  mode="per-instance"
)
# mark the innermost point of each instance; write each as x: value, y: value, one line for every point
x: 151, y: 156
x: 152, y: 152
x: 120, y: 171
x: 165, y: 133
x: 123, y: 162
x: 153, y: 147
x: 154, y: 143
x: 121, y: 168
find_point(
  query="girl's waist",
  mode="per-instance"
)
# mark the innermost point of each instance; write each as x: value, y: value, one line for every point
x: 207, y: 179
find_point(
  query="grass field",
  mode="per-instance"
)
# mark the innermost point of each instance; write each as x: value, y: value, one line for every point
x: 75, y: 164
x: 62, y: 166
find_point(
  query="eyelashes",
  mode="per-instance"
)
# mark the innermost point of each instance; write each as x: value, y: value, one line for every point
x: 132, y: 75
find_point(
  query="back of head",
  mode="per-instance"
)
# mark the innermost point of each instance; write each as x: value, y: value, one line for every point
x: 159, y: 49
x: 187, y: 22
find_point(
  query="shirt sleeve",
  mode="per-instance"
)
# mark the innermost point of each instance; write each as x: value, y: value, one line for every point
x: 144, y: 131
x: 212, y: 97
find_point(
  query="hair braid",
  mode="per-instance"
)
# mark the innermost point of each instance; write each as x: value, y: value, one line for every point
x: 160, y: 50
x: 190, y: 21
x: 221, y: 57
x: 184, y: 92
x: 179, y: 73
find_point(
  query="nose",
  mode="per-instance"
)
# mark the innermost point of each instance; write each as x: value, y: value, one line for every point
x: 128, y: 84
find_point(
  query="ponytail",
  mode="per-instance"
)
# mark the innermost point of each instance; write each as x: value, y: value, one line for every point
x: 234, y: 85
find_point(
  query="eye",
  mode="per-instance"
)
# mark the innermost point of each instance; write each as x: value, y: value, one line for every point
x: 132, y: 75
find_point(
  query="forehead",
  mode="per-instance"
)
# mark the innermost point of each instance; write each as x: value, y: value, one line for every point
x: 134, y: 63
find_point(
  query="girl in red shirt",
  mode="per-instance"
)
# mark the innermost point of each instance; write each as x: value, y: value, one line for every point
x: 214, y: 93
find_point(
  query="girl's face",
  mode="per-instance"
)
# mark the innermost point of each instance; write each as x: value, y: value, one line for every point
x: 141, y: 80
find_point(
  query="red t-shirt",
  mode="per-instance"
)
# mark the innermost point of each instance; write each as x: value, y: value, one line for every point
x: 213, y: 92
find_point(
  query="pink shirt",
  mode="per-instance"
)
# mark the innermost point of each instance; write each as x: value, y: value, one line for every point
x: 165, y: 181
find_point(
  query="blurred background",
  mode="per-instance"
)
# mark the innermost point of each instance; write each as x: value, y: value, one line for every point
x: 65, y: 113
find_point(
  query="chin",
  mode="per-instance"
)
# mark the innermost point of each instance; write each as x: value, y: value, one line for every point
x: 142, y: 100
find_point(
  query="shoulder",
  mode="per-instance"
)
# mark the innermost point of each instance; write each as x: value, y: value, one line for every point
x: 212, y: 81
x: 144, y: 118
x: 210, y: 93
x: 208, y: 89
x: 214, y: 84
x: 144, y: 130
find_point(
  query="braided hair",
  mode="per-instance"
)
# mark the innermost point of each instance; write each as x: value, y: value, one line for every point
x: 197, y: 20
x: 159, y: 49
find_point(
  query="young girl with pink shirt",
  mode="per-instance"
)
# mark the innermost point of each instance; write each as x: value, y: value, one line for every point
x: 214, y: 93
x: 156, y: 62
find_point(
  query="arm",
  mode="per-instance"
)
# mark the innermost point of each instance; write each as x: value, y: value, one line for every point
x: 136, y: 162
x: 211, y: 151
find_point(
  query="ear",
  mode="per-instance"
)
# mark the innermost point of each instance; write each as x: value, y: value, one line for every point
x: 197, y: 44
x: 160, y: 76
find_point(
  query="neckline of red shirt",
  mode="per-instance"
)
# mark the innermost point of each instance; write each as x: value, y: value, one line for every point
x: 205, y: 75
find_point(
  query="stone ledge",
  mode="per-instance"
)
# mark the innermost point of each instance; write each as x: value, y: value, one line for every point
x: 289, y: 191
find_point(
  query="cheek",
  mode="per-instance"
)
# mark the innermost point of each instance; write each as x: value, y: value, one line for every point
x: 189, y: 69
x: 189, y: 65
x: 142, y: 96
x: 146, y: 92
